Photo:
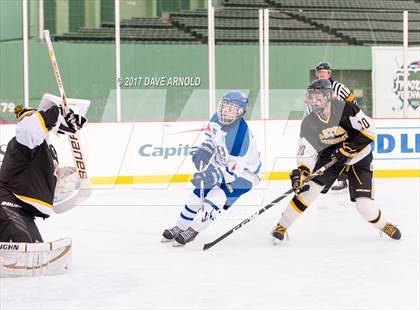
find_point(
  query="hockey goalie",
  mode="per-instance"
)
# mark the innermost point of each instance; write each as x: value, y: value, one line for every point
x: 32, y: 184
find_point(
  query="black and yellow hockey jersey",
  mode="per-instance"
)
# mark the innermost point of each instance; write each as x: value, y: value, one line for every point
x: 321, y: 137
x: 29, y: 170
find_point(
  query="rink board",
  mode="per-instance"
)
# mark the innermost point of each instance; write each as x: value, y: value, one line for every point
x: 160, y: 152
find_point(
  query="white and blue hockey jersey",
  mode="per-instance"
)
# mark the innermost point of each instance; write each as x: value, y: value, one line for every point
x: 236, y: 153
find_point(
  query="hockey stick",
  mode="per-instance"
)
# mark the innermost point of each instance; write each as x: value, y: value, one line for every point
x: 207, y: 246
x: 78, y: 156
x: 75, y: 145
x: 202, y: 190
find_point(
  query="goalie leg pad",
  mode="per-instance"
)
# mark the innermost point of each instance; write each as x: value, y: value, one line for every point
x: 35, y: 259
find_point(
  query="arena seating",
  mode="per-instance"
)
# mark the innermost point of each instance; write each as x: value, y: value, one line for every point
x: 360, y: 5
x: 246, y: 3
x: 356, y: 22
x: 346, y: 15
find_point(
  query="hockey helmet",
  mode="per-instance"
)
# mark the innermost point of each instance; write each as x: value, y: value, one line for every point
x: 232, y: 106
x: 319, y: 94
x: 323, y: 65
x: 21, y: 112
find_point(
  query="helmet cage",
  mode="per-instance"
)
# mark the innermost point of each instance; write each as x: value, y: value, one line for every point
x: 318, y: 99
x: 228, y: 112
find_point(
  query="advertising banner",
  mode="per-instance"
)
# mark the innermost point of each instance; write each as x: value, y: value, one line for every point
x: 160, y: 152
x: 387, y: 82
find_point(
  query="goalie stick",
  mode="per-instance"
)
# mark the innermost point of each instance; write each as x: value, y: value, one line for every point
x: 75, y: 145
x: 78, y: 156
x: 207, y: 246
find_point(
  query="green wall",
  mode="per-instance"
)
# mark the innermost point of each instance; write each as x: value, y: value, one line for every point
x: 10, y: 20
x: 88, y: 72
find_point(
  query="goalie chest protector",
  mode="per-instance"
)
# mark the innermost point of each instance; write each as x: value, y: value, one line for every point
x: 31, y: 176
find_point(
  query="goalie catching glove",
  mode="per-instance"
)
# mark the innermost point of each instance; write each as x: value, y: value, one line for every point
x: 298, y: 177
x: 72, y: 122
x: 344, y: 153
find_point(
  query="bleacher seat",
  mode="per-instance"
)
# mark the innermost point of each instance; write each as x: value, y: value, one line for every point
x: 246, y: 3
x: 334, y: 25
x: 129, y: 34
x: 277, y: 36
x: 361, y: 5
x: 378, y: 37
x: 333, y: 22
x: 225, y: 23
x: 343, y: 15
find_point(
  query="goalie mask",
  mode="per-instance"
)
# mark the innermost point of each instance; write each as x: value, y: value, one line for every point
x: 232, y: 106
x: 319, y: 96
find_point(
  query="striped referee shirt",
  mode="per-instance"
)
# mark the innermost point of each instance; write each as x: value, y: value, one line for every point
x: 342, y: 92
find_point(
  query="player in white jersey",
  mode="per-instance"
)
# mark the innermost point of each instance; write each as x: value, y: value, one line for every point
x: 233, y: 167
x: 341, y: 92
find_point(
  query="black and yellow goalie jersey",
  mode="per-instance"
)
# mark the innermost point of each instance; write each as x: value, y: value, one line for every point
x: 321, y: 137
x: 29, y: 170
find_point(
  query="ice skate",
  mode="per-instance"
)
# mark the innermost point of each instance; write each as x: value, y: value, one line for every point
x: 278, y: 233
x: 339, y: 185
x: 185, y: 237
x: 392, y: 231
x: 170, y: 234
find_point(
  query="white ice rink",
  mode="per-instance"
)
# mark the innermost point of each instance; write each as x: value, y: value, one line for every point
x: 334, y: 259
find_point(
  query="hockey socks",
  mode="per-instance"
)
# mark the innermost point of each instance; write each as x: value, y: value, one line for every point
x: 299, y: 203
x: 373, y: 215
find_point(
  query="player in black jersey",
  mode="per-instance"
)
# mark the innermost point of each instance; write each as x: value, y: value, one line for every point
x: 324, y: 72
x: 28, y: 174
x: 334, y: 130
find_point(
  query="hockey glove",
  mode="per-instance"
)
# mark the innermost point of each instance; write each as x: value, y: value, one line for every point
x: 72, y: 122
x: 209, y: 177
x: 298, y: 177
x: 344, y: 153
x: 203, y: 155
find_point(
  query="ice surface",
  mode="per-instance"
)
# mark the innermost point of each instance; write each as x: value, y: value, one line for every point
x: 334, y: 259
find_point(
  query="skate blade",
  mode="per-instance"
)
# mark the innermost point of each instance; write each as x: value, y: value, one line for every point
x: 275, y: 241
x: 164, y: 240
x: 177, y: 244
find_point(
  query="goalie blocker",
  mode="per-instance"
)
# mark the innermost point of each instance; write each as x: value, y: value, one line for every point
x: 35, y: 259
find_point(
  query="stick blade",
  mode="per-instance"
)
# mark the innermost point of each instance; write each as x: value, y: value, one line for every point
x: 195, y: 247
x: 79, y: 197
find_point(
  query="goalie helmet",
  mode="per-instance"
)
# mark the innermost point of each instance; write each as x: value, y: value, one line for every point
x: 21, y: 112
x: 319, y: 95
x: 232, y: 106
